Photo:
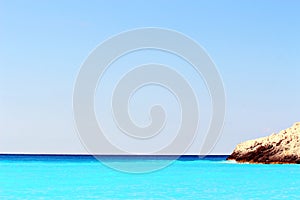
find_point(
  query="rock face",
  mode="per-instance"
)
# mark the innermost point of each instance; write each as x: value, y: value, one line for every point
x: 280, y: 148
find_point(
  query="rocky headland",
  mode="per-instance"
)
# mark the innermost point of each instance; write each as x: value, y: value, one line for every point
x: 280, y: 148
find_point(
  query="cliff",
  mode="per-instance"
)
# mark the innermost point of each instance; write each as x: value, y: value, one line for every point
x: 280, y: 148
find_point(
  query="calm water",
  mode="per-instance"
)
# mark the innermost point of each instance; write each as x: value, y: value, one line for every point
x: 83, y: 177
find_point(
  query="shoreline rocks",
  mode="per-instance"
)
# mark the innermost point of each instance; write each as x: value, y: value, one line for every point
x: 281, y: 148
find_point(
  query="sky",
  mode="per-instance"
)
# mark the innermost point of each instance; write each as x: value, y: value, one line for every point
x: 254, y: 44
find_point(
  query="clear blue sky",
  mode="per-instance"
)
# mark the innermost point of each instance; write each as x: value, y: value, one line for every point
x: 255, y: 45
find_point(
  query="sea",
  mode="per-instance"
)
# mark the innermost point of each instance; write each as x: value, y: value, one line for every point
x: 188, y: 177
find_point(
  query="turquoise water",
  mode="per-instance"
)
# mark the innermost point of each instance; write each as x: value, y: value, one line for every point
x: 83, y: 177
